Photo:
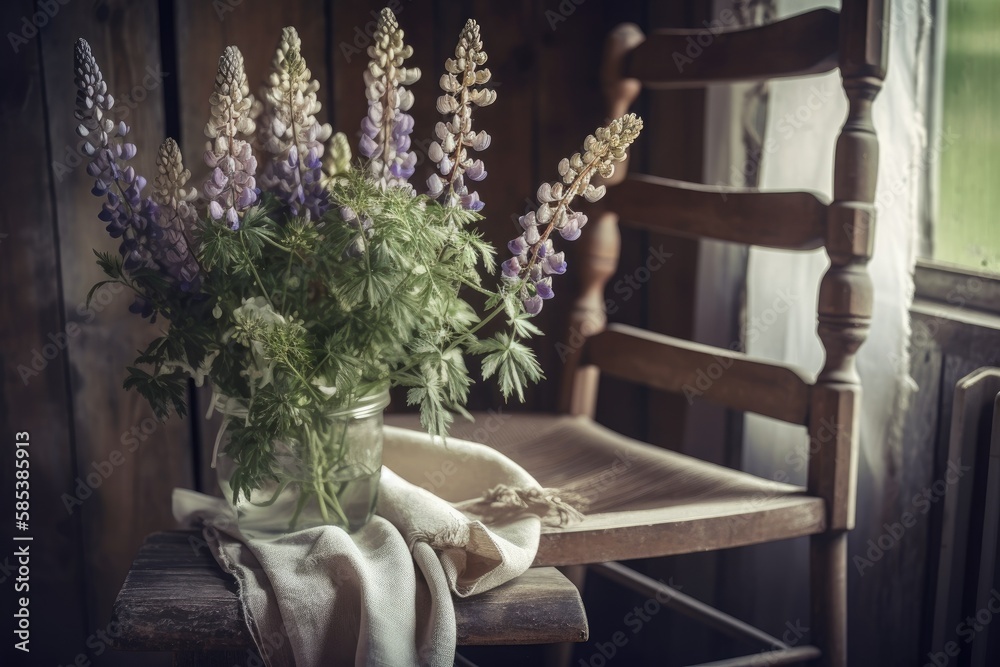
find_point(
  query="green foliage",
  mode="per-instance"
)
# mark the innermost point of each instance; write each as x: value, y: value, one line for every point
x: 297, y: 318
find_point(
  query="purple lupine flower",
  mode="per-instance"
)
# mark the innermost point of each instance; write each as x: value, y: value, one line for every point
x: 231, y: 187
x: 535, y: 260
x: 386, y: 128
x: 128, y: 216
x: 363, y: 224
x: 299, y: 184
x: 454, y: 138
x: 291, y: 135
x: 177, y: 217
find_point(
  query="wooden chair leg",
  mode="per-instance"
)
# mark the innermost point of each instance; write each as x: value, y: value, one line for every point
x: 828, y: 584
x: 560, y: 655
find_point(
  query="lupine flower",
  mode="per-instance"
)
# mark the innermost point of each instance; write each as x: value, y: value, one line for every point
x: 231, y: 188
x: 337, y: 159
x: 177, y: 217
x: 290, y: 133
x: 363, y: 224
x: 128, y: 216
x: 385, y: 130
x: 534, y: 259
x: 449, y: 152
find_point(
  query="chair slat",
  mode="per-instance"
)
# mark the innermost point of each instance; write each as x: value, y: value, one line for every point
x: 799, y: 45
x: 785, y: 220
x: 683, y: 367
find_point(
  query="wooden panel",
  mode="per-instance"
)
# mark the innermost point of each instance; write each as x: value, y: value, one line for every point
x: 35, y: 396
x: 787, y: 220
x: 675, y: 131
x: 681, y: 366
x: 110, y: 425
x: 178, y: 598
x: 972, y: 419
x: 956, y: 286
x: 800, y: 45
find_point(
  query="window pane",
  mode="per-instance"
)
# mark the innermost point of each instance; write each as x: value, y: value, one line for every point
x: 967, y: 230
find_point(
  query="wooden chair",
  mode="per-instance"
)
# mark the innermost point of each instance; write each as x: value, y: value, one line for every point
x: 646, y: 501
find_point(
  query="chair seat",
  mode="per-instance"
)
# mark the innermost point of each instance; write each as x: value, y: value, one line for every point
x: 642, y: 501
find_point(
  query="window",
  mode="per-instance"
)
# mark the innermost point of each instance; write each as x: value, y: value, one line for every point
x: 964, y: 203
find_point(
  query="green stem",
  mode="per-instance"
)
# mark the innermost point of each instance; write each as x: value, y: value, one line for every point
x: 288, y: 277
x: 253, y: 270
x: 270, y: 501
x: 299, y: 505
x: 476, y: 287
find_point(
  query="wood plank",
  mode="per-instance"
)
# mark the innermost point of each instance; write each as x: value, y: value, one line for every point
x: 784, y: 220
x: 109, y: 423
x: 796, y: 46
x: 35, y: 395
x: 681, y: 366
x: 674, y: 125
x: 177, y: 598
x: 973, y: 399
x: 966, y: 332
x: 957, y: 286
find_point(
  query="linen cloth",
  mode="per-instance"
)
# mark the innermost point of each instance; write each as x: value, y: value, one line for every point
x: 457, y: 518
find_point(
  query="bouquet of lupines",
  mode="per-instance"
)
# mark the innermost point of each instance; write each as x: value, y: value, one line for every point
x: 297, y: 280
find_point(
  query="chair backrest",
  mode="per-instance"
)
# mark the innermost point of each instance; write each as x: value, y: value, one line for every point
x: 855, y: 40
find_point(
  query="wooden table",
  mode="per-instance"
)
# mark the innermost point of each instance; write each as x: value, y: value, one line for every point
x: 176, y: 598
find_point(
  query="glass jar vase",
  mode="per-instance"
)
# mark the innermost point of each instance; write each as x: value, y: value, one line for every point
x: 326, y: 474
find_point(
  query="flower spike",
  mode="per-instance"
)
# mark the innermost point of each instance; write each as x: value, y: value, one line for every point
x: 128, y: 215
x: 534, y: 258
x: 231, y: 189
x: 337, y: 160
x: 386, y: 129
x: 290, y: 132
x: 177, y: 215
x: 449, y: 152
